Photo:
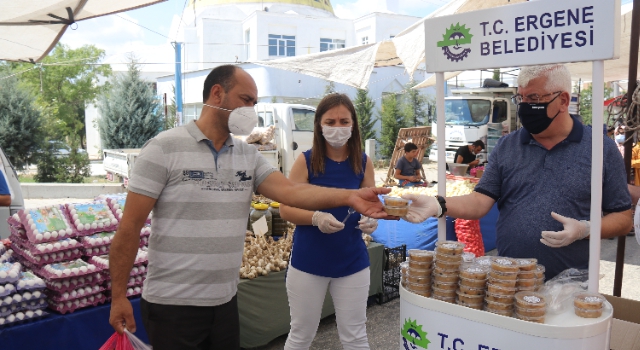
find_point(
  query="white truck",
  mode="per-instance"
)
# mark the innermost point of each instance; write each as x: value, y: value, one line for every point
x: 293, y: 135
x: 17, y: 202
x: 469, y: 116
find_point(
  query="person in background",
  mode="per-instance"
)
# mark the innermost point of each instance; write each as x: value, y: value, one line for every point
x: 408, y: 169
x: 540, y: 176
x: 467, y: 154
x: 5, y: 194
x: 620, y: 138
x: 199, y: 180
x: 328, y: 250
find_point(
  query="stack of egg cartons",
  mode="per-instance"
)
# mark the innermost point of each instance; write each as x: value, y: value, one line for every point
x: 530, y: 306
x: 418, y: 276
x: 501, y: 286
x: 446, y: 272
x: 53, y: 254
x: 471, y: 288
x: 117, y: 202
x: 136, y: 278
x: 21, y: 296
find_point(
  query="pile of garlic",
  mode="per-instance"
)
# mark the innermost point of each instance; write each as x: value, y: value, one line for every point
x: 454, y: 188
x: 263, y: 255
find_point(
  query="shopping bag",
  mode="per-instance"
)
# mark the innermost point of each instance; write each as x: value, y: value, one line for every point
x: 125, y: 341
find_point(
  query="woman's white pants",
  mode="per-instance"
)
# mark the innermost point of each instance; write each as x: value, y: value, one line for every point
x: 306, y: 295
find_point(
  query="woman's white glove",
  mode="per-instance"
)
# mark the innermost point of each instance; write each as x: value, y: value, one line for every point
x: 573, y: 231
x: 421, y: 207
x: 367, y: 225
x: 326, y: 222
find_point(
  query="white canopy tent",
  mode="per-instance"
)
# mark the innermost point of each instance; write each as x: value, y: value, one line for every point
x: 29, y: 29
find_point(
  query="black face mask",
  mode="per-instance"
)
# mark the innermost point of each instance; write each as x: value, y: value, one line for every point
x: 534, y: 116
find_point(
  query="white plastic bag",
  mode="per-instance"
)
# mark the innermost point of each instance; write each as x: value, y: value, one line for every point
x: 559, y: 289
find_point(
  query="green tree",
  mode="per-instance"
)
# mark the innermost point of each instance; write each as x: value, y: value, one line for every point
x: 20, y: 121
x: 171, y: 119
x: 65, y: 83
x: 586, y: 103
x: 496, y: 74
x: 330, y: 88
x: 414, y: 105
x: 364, y: 111
x: 55, y: 167
x: 392, y: 121
x: 130, y: 111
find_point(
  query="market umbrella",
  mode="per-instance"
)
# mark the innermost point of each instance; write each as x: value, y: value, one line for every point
x: 353, y: 66
x: 29, y: 29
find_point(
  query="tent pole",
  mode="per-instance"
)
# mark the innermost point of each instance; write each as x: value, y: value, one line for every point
x: 633, y: 76
x: 442, y: 176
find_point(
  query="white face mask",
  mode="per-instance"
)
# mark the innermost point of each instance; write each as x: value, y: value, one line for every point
x: 242, y: 120
x: 336, y: 136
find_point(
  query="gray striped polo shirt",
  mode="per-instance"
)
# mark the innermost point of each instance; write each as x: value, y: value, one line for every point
x: 200, y: 217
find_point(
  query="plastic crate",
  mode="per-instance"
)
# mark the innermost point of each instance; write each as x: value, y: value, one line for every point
x: 391, y: 273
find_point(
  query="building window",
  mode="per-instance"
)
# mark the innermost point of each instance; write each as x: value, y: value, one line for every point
x: 282, y: 45
x: 331, y: 44
x: 365, y: 40
x: 247, y: 43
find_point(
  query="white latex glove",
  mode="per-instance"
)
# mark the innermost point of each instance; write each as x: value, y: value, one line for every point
x: 367, y: 225
x: 326, y: 222
x: 421, y: 207
x: 573, y: 231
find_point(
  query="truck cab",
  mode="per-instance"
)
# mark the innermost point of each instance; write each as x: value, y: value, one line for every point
x: 293, y: 131
x: 17, y: 202
x: 470, y: 113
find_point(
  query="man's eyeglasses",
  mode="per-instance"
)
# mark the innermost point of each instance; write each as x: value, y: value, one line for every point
x: 517, y: 98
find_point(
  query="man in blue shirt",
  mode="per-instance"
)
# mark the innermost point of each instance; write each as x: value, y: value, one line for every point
x: 540, y: 176
x: 5, y: 195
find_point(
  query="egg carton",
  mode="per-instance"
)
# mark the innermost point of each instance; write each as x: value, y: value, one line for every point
x: 89, y: 218
x: 103, y: 260
x: 7, y: 256
x: 14, y: 221
x: 144, y: 242
x: 46, y: 224
x: 98, y: 239
x: 35, y: 304
x: 79, y: 293
x: 7, y: 310
x: 29, y: 281
x: 49, y: 258
x: 6, y: 289
x: 19, y: 298
x: 70, y: 284
x: 70, y: 306
x: 117, y: 204
x: 68, y: 269
x: 145, y: 231
x: 139, y: 270
x: 21, y: 317
x: 10, y: 272
x: 133, y: 291
x: 96, y: 251
x: 52, y: 247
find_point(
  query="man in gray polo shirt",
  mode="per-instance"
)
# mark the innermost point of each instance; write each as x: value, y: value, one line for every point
x: 540, y: 176
x: 199, y: 180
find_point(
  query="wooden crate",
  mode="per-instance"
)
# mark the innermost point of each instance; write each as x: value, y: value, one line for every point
x: 420, y: 136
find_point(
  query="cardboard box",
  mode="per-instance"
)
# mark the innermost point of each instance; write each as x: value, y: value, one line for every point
x: 625, y: 329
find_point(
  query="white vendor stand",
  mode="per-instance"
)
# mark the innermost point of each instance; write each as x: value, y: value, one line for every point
x: 512, y: 36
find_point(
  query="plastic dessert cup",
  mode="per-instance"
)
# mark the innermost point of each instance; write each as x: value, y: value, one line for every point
x: 395, y: 201
x: 450, y: 247
x: 421, y: 255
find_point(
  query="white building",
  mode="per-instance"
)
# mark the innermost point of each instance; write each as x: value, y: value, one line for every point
x: 216, y: 32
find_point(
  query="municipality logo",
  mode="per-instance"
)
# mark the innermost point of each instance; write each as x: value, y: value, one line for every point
x: 454, y: 40
x: 413, y: 337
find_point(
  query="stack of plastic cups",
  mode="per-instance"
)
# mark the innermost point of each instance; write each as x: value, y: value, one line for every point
x: 471, y: 288
x: 588, y: 304
x: 501, y: 286
x: 418, y: 278
x: 446, y: 271
x: 530, y: 306
x: 404, y: 271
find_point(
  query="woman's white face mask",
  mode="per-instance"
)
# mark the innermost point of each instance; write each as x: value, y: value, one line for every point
x: 336, y: 136
x: 242, y: 120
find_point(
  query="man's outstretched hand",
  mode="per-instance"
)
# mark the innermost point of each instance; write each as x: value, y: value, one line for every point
x: 366, y: 202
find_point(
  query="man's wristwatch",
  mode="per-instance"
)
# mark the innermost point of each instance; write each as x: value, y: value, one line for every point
x: 443, y: 205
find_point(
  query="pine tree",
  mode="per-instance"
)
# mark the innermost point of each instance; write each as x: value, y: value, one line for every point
x: 131, y: 113
x: 392, y: 121
x: 414, y: 105
x: 330, y: 88
x: 20, y: 121
x: 364, y: 111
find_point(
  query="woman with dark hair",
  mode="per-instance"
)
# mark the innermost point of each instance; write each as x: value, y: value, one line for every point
x: 328, y: 250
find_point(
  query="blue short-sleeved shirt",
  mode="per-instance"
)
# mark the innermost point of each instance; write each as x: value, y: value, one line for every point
x: 4, y: 187
x: 529, y: 182
x: 408, y: 168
